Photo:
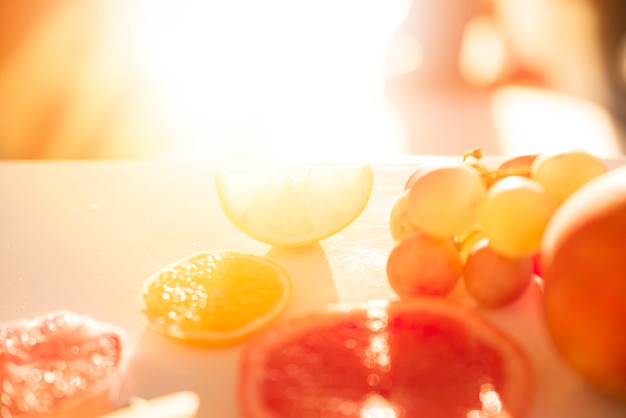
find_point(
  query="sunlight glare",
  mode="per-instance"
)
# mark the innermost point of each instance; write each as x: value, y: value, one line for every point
x: 377, y: 407
x: 490, y: 399
x: 272, y: 79
x: 483, y: 52
x: 531, y: 121
x: 491, y: 404
x: 405, y: 55
x: 377, y: 353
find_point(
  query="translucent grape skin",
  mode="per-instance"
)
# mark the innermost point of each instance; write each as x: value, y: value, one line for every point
x: 444, y: 201
x: 514, y: 215
x: 420, y: 169
x: 562, y: 174
x: 520, y: 165
x: 400, y: 224
x: 494, y: 280
x: 421, y: 264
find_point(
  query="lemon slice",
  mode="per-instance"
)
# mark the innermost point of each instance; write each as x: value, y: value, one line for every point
x: 215, y: 298
x: 289, y: 210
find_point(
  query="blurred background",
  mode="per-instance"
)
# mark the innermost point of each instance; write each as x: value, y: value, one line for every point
x: 326, y: 79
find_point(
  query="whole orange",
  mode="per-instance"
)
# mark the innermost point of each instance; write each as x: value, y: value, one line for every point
x: 583, y: 262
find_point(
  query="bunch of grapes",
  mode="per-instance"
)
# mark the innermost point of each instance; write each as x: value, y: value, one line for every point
x: 483, y: 226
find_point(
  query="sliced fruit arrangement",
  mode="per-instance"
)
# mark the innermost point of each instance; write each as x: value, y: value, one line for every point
x: 417, y: 357
x: 58, y: 365
x: 215, y: 297
x: 468, y: 223
x: 288, y: 210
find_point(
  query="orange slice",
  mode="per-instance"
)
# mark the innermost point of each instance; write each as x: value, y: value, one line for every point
x: 215, y: 298
x: 289, y: 210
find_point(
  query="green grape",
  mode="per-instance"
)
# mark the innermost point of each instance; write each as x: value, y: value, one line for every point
x: 563, y: 174
x: 421, y: 168
x: 400, y: 224
x: 421, y: 264
x: 519, y: 165
x: 514, y: 215
x: 494, y: 280
x: 444, y: 201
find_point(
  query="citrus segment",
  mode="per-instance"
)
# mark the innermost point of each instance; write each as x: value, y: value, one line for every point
x: 61, y: 364
x: 215, y: 298
x: 287, y: 210
x: 411, y: 358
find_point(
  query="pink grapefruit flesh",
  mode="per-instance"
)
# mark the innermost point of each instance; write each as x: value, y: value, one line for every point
x: 411, y: 358
x: 55, y: 364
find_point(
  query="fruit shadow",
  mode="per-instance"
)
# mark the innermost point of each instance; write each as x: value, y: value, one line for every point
x: 311, y: 277
x: 159, y: 366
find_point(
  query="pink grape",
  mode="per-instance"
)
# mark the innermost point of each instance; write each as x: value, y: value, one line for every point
x: 494, y: 280
x: 423, y: 265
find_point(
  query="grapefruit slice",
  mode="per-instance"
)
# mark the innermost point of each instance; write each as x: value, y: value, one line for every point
x: 422, y: 357
x: 58, y: 365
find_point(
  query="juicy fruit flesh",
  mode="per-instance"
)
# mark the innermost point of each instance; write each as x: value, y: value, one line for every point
x: 54, y: 363
x: 214, y: 297
x: 286, y: 210
x: 423, y: 357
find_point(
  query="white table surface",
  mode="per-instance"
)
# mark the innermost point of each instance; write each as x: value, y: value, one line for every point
x: 83, y: 235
